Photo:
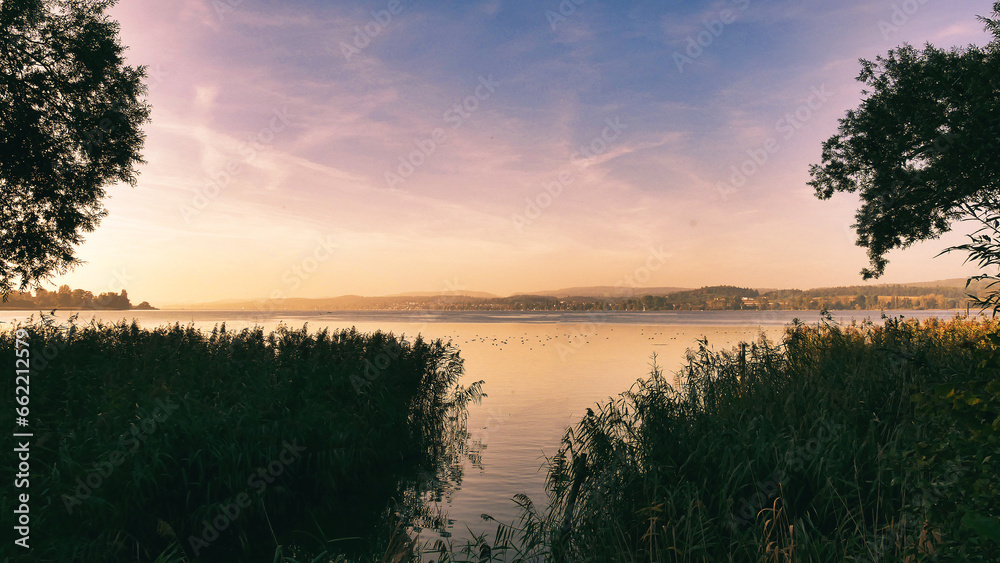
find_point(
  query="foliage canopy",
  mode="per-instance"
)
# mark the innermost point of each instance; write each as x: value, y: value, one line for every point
x: 921, y: 149
x: 70, y: 118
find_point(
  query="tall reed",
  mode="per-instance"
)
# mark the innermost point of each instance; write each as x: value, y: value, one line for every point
x: 840, y: 443
x: 145, y: 439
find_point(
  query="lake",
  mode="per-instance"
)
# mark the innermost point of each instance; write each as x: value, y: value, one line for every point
x: 541, y: 371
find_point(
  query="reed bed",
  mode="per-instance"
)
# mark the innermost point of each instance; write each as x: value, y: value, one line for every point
x: 147, y: 442
x: 838, y: 443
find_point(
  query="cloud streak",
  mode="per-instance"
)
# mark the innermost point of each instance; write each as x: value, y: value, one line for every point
x: 353, y: 118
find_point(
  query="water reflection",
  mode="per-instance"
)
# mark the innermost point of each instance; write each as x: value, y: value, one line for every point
x: 541, y: 372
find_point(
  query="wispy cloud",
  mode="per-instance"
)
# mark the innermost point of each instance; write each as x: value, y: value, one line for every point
x: 354, y: 118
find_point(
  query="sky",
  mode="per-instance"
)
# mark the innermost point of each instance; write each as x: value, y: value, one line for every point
x: 314, y: 149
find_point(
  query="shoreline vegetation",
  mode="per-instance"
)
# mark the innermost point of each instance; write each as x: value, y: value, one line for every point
x: 867, y: 441
x: 873, y: 298
x: 838, y: 443
x: 177, y: 444
x: 69, y: 299
x: 711, y: 298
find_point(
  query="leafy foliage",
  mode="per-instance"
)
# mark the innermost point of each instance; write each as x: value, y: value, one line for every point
x: 984, y: 249
x: 67, y: 297
x: 920, y: 146
x: 70, y: 117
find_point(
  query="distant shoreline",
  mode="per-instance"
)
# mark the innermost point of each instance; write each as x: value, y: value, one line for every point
x: 405, y: 320
x: 481, y: 311
x: 44, y: 309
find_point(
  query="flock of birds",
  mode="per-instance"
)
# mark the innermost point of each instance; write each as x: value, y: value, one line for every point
x: 570, y: 338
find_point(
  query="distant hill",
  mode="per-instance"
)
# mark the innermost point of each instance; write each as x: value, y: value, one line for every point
x: 607, y: 291
x: 480, y: 294
x: 958, y: 283
x: 949, y: 293
x: 342, y: 303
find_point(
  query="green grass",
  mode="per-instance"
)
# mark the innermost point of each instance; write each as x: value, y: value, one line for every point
x: 173, y: 427
x: 840, y: 443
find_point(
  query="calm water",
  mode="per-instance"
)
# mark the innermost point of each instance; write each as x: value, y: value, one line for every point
x: 541, y: 371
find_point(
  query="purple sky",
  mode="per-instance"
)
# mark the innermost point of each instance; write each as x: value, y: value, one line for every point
x: 323, y: 148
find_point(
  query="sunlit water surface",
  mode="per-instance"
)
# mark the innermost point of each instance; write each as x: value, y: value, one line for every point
x: 541, y: 372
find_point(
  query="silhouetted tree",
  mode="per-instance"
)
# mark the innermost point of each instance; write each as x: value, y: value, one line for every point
x: 70, y: 117
x: 984, y: 249
x: 922, y: 148
x: 65, y: 296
